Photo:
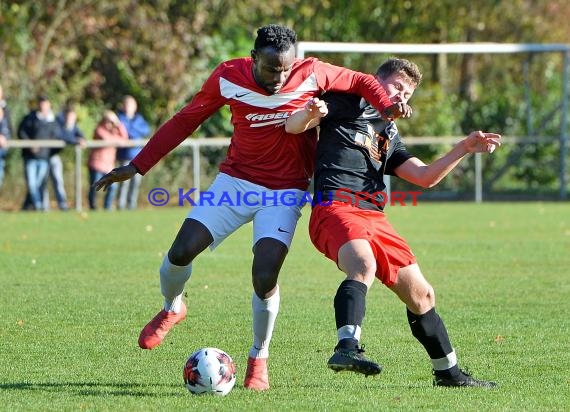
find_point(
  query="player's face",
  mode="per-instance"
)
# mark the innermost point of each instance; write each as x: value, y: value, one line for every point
x: 271, y: 69
x: 399, y: 88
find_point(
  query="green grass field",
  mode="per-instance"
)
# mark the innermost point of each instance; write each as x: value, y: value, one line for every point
x: 77, y: 288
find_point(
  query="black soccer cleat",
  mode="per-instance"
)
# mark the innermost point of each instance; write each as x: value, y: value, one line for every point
x: 353, y: 360
x: 464, y: 380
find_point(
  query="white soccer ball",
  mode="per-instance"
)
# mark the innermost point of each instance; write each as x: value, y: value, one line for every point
x: 210, y: 371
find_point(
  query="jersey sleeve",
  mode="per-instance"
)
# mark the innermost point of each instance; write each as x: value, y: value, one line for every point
x: 341, y: 79
x: 174, y: 131
x: 397, y: 158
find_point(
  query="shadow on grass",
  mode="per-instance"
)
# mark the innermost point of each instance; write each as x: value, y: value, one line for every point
x: 98, y: 389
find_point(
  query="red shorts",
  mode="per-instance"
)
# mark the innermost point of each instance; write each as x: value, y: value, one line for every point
x: 332, y: 226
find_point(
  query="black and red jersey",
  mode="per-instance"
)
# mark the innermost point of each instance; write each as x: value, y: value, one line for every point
x: 356, y: 149
x: 260, y: 150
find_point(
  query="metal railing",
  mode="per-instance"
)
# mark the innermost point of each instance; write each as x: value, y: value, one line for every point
x: 197, y: 143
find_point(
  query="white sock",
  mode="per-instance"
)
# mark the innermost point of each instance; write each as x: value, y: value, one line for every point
x: 349, y: 332
x: 172, y: 281
x: 264, y: 314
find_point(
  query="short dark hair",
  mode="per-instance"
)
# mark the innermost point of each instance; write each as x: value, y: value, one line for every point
x: 403, y: 66
x: 278, y: 37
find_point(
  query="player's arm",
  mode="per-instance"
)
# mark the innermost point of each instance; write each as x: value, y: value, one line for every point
x: 307, y: 118
x: 416, y: 171
x: 341, y: 79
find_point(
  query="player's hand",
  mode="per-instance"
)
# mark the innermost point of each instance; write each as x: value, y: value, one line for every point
x: 316, y: 108
x: 481, y: 142
x: 118, y: 174
x: 397, y: 110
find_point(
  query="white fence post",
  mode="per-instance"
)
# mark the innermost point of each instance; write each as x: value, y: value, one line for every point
x: 78, y: 187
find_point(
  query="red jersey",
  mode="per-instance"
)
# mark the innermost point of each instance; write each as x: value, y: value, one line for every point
x: 261, y: 151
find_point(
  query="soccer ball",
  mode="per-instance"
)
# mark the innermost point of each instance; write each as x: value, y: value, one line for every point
x: 210, y: 370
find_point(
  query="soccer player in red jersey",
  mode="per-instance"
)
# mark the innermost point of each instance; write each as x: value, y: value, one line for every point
x: 357, y: 147
x: 263, y: 162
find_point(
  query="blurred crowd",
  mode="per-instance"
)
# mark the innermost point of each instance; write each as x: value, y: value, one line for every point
x: 43, y: 165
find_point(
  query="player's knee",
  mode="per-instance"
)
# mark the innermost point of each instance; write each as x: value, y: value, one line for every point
x: 185, y: 249
x: 367, y: 266
x: 358, y: 267
x: 429, y: 298
x: 365, y: 274
x: 180, y: 255
x: 264, y: 283
x: 423, y: 300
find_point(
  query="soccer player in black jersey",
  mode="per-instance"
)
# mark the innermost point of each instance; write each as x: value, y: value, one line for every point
x: 356, y: 149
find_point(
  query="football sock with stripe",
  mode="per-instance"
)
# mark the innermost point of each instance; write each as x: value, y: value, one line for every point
x: 430, y: 331
x: 350, y: 308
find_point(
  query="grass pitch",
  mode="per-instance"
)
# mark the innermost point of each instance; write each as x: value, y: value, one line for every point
x: 77, y: 288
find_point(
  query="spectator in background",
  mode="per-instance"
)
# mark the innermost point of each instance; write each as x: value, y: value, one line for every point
x: 102, y: 159
x: 4, y: 136
x: 6, y: 132
x: 70, y: 133
x: 39, y: 124
x: 4, y: 106
x: 137, y: 128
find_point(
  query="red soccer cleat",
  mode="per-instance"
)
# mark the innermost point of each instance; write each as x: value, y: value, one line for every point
x: 154, y: 332
x: 256, y: 377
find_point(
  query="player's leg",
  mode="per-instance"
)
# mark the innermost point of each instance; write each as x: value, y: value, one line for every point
x: 428, y: 328
x: 192, y: 238
x: 206, y: 225
x: 341, y: 233
x: 273, y: 230
x: 356, y: 260
x: 269, y: 255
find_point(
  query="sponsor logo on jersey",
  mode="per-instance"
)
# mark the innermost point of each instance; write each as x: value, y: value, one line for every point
x: 265, y: 119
